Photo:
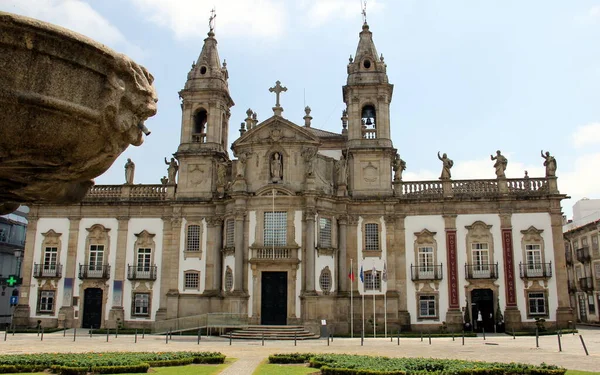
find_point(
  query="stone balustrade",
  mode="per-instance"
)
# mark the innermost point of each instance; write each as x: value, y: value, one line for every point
x: 130, y: 193
x: 277, y: 253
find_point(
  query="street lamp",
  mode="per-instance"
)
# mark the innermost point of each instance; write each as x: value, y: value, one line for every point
x: 18, y: 254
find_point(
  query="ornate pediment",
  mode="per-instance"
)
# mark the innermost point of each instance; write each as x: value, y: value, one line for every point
x: 98, y: 232
x: 276, y: 130
x: 425, y: 237
x: 479, y: 231
x: 51, y: 238
x: 532, y: 235
x: 144, y: 239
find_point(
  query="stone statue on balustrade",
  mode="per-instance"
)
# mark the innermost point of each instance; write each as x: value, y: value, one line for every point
x: 276, y: 167
x: 398, y: 166
x: 447, y: 164
x: 500, y: 164
x: 549, y: 163
x: 164, y: 180
x: 172, y: 169
x: 129, y: 171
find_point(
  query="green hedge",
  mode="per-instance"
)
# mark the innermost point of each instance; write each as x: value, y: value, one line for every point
x: 102, y: 363
x: 345, y: 364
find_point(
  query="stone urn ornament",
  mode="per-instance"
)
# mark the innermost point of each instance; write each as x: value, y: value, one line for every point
x: 70, y: 107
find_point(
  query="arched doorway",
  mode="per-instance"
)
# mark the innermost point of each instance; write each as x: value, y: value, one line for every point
x: 92, y: 308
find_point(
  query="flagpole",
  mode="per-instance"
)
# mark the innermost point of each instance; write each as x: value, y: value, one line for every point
x: 351, y: 302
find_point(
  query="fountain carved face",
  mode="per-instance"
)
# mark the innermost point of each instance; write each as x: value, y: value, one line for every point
x: 70, y: 107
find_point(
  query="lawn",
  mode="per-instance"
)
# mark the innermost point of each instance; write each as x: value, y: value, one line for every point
x: 277, y: 369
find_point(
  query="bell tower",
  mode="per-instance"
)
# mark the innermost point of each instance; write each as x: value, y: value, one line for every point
x: 367, y: 95
x: 206, y: 107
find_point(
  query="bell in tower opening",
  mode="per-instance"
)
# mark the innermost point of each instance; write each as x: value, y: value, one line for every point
x: 368, y: 122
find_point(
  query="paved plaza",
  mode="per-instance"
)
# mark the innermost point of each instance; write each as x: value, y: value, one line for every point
x: 496, y: 347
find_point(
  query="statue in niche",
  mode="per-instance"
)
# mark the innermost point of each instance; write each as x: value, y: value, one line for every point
x: 500, y: 164
x: 447, y: 164
x: 309, y: 154
x: 221, y: 174
x: 549, y: 163
x: 398, y: 166
x: 129, y: 171
x: 172, y: 169
x: 276, y: 167
x: 241, y: 166
x: 342, y: 171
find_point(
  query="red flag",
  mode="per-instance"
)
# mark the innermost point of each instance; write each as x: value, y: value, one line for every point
x: 351, y: 275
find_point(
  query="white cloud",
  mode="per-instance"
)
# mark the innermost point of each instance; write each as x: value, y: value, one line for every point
x: 594, y: 12
x: 586, y: 135
x: 189, y: 18
x: 75, y: 15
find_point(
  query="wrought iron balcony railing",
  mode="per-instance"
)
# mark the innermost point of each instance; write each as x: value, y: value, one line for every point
x: 52, y: 270
x: 94, y: 271
x: 481, y: 271
x: 428, y: 272
x: 536, y: 270
x: 142, y: 272
x: 583, y: 254
x: 586, y: 284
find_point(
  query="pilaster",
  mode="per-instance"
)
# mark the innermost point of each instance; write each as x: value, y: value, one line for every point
x: 309, y: 251
x: 22, y: 310
x: 238, y: 275
x: 454, y: 317
x: 512, y: 315
x: 342, y: 257
x: 66, y: 313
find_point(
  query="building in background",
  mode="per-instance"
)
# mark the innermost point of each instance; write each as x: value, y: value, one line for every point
x: 13, y: 228
x: 300, y: 225
x: 582, y: 253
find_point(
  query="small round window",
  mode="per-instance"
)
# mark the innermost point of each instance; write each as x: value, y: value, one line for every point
x: 367, y: 64
x: 203, y: 70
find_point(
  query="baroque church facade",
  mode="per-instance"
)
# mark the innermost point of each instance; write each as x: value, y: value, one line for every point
x: 298, y: 227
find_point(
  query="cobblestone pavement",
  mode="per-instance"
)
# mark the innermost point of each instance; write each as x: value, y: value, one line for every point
x: 498, y: 347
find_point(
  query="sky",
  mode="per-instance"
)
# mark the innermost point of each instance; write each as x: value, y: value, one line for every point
x: 470, y: 77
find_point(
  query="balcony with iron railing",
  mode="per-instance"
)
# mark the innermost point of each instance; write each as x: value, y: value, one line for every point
x: 586, y: 284
x: 93, y: 271
x: 142, y: 272
x: 53, y: 270
x: 536, y: 270
x: 583, y: 254
x: 427, y: 272
x: 481, y: 271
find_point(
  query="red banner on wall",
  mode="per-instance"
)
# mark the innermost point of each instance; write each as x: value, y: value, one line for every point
x: 509, y: 267
x: 452, y: 269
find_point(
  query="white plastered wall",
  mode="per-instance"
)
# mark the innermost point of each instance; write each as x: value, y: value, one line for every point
x: 368, y: 263
x: 322, y: 261
x: 192, y: 263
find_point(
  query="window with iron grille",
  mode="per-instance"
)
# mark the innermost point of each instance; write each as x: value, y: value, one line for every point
x: 193, y: 238
x: 192, y: 280
x: 50, y: 258
x: 325, y: 280
x: 144, y: 259
x: 230, y: 233
x: 427, y: 306
x: 46, y: 301
x: 141, y: 304
x: 324, y: 232
x: 537, y: 303
x: 372, y: 280
x: 275, y: 228
x: 371, y: 237
x: 228, y: 279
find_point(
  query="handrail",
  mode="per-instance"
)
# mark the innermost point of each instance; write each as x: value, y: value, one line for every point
x: 188, y: 323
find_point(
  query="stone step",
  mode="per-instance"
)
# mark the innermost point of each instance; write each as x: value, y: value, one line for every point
x: 272, y: 333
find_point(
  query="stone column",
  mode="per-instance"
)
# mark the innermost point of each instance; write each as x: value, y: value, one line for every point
x: 512, y: 315
x: 342, y: 256
x: 454, y: 317
x: 399, y: 276
x: 238, y: 280
x: 564, y: 312
x: 309, y: 220
x: 66, y: 312
x: 213, y: 254
x: 22, y: 310
x: 116, y: 312
x: 169, y: 270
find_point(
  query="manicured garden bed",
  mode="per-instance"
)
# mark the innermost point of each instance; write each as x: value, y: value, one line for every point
x: 344, y: 364
x: 102, y: 363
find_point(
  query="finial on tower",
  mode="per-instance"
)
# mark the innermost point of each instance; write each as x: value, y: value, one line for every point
x: 211, y: 20
x: 364, y: 12
x: 277, y: 89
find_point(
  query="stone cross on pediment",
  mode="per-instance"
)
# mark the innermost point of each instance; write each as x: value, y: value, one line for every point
x: 277, y: 89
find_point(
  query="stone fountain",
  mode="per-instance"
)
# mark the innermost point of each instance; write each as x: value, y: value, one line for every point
x: 69, y: 106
